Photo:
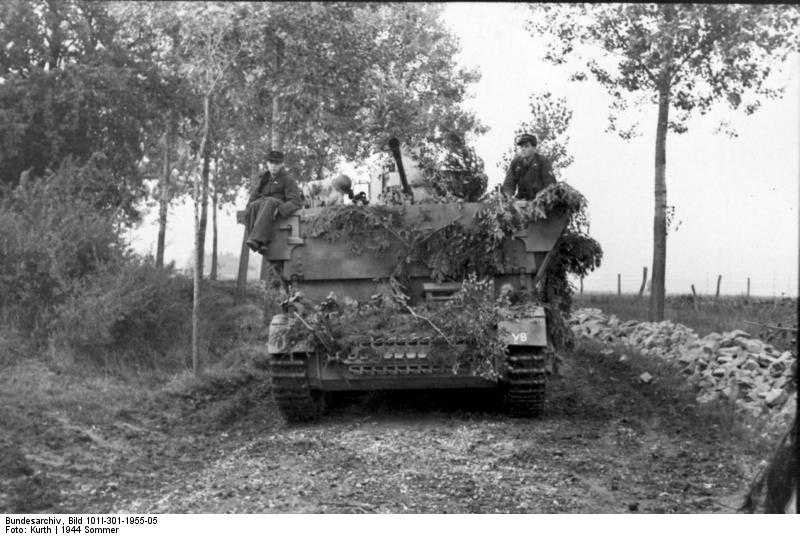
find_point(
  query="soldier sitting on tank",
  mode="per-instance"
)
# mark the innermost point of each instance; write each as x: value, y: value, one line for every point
x: 529, y: 172
x: 277, y: 194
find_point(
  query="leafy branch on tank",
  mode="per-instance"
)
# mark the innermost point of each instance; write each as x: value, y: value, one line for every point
x: 453, y: 251
x: 470, y: 254
x: 335, y: 328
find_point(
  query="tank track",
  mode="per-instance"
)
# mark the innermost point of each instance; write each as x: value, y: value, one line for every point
x: 524, y: 390
x: 296, y: 401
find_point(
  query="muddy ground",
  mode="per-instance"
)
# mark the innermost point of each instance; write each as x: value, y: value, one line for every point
x: 607, y: 443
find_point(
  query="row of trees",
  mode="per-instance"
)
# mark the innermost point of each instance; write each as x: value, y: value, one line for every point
x: 681, y: 58
x: 188, y: 97
x: 171, y: 99
x: 175, y: 98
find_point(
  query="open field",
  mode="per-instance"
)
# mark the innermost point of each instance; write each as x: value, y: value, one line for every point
x: 706, y: 314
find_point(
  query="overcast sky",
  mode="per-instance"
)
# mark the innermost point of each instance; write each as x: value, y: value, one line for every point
x: 737, y: 199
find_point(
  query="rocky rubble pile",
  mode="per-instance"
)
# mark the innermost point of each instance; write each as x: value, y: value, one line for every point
x: 731, y: 365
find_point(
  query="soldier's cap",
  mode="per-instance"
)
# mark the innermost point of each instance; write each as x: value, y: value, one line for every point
x: 276, y: 157
x: 526, y: 138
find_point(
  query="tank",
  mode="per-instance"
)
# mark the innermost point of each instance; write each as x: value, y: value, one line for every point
x: 302, y: 377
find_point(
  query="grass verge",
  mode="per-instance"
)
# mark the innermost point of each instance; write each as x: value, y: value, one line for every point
x: 705, y: 314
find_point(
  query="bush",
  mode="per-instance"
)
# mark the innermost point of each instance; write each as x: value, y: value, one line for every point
x: 53, y: 235
x: 132, y: 313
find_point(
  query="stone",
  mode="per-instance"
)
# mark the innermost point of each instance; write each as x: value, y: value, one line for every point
x: 753, y: 345
x: 763, y: 359
x: 724, y: 358
x: 738, y: 333
x: 645, y: 377
x: 777, y: 368
x: 783, y: 382
x: 607, y: 352
x: 705, y: 383
x: 623, y: 358
x: 745, y: 383
x: 719, y: 372
x: 705, y: 398
x: 775, y: 397
x: 750, y: 364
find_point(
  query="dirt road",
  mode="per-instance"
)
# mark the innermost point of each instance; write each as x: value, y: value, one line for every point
x: 608, y: 443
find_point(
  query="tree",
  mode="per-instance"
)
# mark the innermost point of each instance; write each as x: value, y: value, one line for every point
x: 549, y: 122
x: 682, y: 58
x: 352, y: 75
x: 210, y: 45
x: 417, y: 87
x: 330, y: 81
x: 152, y: 32
x: 68, y: 89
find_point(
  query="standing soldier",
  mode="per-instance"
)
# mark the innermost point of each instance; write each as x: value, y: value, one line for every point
x: 529, y: 172
x: 277, y: 194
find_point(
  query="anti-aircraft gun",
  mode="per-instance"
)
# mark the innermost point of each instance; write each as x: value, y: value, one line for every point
x: 303, y: 375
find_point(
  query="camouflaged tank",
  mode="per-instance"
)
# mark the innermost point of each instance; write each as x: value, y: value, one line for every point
x: 302, y: 377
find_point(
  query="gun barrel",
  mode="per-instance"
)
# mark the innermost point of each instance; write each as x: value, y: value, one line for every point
x: 394, y: 147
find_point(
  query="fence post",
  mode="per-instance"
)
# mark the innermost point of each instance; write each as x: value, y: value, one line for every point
x: 619, y: 284
x: 694, y: 294
x: 748, y: 287
x: 581, y: 285
x: 719, y: 281
x: 644, y: 280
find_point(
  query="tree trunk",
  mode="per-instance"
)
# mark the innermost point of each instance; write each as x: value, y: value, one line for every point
x: 660, y: 215
x: 276, y: 137
x: 163, y: 203
x: 204, y: 194
x: 275, y: 134
x: 214, y: 199
x: 244, y: 254
x: 197, y: 365
x: 54, y: 19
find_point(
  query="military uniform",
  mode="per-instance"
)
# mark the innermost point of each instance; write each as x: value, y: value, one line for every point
x: 278, y: 195
x: 526, y: 177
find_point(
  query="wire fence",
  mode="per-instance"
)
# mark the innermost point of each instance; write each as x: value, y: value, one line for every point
x: 707, y: 284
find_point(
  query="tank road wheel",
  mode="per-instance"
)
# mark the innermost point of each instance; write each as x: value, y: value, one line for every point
x: 524, y: 390
x: 296, y: 401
